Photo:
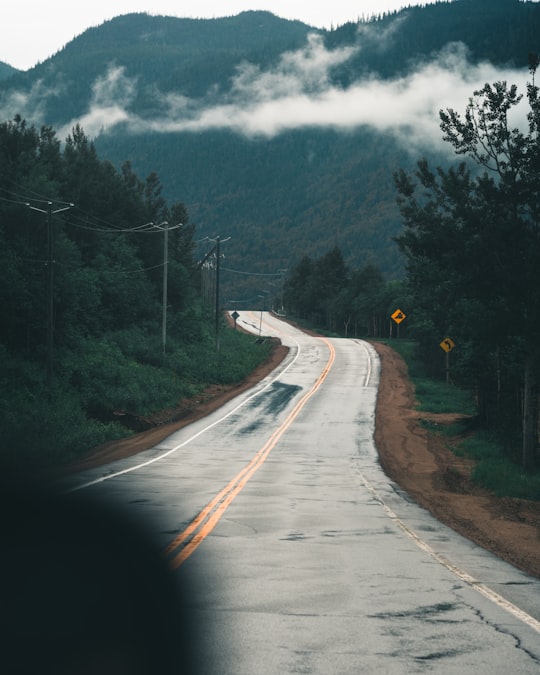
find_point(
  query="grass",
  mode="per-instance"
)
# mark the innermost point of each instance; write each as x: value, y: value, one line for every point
x: 432, y: 395
x: 438, y: 397
x: 497, y: 468
x: 100, y: 377
x: 496, y: 471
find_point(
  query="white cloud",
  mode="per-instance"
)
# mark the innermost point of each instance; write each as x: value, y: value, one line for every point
x: 30, y: 105
x: 296, y: 92
x: 307, y: 69
x: 112, y: 95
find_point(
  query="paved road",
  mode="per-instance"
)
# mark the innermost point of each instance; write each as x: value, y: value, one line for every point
x: 301, y: 555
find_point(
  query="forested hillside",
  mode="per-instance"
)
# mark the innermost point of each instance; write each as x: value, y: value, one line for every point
x: 86, y: 349
x: 222, y: 110
x: 6, y: 70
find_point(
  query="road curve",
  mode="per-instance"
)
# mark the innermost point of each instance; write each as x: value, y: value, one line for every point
x: 301, y: 554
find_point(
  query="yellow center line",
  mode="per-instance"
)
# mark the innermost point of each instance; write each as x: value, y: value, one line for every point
x: 203, y: 524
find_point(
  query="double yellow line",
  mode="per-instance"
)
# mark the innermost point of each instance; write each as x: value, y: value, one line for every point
x: 202, y: 525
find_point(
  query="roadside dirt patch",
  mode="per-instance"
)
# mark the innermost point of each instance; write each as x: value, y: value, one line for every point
x: 417, y: 461
x: 422, y: 464
x: 186, y: 412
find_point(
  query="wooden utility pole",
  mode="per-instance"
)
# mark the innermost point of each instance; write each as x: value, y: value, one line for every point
x: 50, y: 284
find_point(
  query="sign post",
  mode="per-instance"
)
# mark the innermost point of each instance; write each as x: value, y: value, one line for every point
x: 398, y: 316
x: 447, y: 345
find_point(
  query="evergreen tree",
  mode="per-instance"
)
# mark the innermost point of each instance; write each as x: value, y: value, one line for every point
x: 472, y: 240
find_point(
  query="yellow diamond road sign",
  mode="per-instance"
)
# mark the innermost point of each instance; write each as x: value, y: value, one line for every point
x: 447, y: 344
x: 398, y: 316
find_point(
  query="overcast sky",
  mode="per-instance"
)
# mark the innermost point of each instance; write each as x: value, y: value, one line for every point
x: 34, y: 30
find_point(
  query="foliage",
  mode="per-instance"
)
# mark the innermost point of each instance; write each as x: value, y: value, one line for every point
x: 506, y: 479
x: 67, y: 211
x: 495, y: 470
x: 280, y: 198
x: 331, y: 297
x: 439, y: 397
x: 473, y: 253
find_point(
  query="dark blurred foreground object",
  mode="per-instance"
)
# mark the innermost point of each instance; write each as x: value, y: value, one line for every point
x: 83, y: 591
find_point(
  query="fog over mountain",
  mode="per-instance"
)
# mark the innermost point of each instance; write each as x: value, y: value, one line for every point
x: 288, y: 145
x: 296, y: 92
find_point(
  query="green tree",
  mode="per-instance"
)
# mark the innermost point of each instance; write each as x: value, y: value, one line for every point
x: 331, y: 279
x: 472, y: 241
x: 299, y: 292
x: 368, y: 301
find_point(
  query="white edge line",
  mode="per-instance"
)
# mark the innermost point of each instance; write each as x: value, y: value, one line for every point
x: 478, y: 586
x: 464, y: 576
x: 364, y: 344
x: 101, y: 479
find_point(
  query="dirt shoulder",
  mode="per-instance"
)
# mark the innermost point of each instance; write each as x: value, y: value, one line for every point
x: 186, y: 412
x: 438, y: 480
x: 418, y: 462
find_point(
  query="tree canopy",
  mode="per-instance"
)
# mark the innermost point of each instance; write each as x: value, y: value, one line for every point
x: 472, y: 246
x: 83, y: 254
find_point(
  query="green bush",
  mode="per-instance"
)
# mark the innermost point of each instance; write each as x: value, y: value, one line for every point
x: 39, y: 429
x: 506, y: 479
x: 439, y: 397
x: 496, y: 470
x: 124, y: 370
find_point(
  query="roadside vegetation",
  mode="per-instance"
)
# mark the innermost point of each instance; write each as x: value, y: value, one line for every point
x: 497, y: 464
x: 470, y: 300
x: 108, y: 389
x: 86, y: 355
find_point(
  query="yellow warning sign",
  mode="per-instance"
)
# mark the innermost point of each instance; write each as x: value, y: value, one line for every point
x: 447, y: 344
x: 398, y: 316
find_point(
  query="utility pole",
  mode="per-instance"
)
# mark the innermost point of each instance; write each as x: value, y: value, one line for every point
x: 152, y: 227
x: 50, y: 284
x: 165, y: 279
x: 165, y: 282
x: 218, y: 241
x: 282, y: 275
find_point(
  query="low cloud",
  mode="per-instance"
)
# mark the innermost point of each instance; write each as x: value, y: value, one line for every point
x: 30, y: 105
x: 298, y: 92
x: 112, y: 96
x: 266, y: 103
x: 302, y: 71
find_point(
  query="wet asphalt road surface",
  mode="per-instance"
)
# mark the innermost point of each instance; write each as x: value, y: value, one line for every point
x: 299, y: 554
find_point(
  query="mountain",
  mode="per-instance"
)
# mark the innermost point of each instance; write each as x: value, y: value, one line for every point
x: 278, y: 135
x: 6, y: 70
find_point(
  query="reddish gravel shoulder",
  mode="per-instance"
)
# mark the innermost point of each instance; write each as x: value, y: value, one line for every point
x: 438, y: 480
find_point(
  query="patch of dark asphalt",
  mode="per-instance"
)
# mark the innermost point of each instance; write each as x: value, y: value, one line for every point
x: 274, y: 401
x: 431, y: 613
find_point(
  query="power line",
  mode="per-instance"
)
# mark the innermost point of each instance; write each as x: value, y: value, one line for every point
x: 252, y: 274
x: 114, y: 270
x: 13, y: 201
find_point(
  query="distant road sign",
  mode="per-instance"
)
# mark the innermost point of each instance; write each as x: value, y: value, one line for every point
x: 447, y: 344
x: 235, y: 315
x: 398, y: 316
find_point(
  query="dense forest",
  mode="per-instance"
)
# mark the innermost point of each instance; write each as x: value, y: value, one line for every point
x: 301, y: 191
x: 87, y: 350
